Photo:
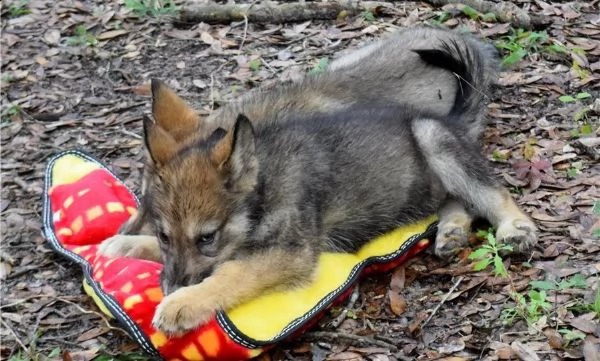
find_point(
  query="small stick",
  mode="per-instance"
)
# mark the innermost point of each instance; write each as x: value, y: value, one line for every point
x: 245, y: 32
x: 342, y: 316
x: 351, y: 337
x: 458, y: 281
x: 7, y: 326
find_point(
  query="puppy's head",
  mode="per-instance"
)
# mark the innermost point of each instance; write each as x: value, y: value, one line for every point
x: 197, y: 196
x: 182, y: 123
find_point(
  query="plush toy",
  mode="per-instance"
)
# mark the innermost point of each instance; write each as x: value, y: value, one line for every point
x: 84, y: 203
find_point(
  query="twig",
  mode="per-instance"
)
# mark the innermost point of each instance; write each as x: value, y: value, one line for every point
x: 7, y: 326
x: 285, y: 12
x: 22, y: 300
x: 131, y: 134
x: 342, y: 316
x: 84, y: 311
x: 245, y: 32
x: 351, y: 337
x: 458, y: 281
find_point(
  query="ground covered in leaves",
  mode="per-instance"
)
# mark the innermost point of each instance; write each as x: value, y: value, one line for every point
x: 75, y: 74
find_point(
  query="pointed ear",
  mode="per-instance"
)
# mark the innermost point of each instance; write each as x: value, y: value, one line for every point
x: 160, y: 144
x: 235, y: 155
x: 171, y: 112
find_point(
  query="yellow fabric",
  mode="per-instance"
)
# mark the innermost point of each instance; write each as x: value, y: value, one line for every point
x: 70, y: 168
x: 90, y: 291
x: 265, y: 317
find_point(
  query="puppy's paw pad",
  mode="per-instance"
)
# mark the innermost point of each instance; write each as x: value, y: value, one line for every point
x: 519, y: 233
x: 450, y: 239
x: 177, y: 314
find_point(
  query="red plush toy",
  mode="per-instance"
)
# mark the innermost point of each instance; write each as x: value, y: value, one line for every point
x: 84, y: 203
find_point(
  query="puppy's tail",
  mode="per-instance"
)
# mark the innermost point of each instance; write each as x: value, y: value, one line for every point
x: 476, y: 66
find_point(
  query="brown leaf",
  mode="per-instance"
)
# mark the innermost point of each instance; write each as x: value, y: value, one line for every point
x: 111, y: 34
x: 207, y: 38
x: 182, y: 34
x: 524, y: 352
x: 584, y: 325
x: 554, y: 338
x: 345, y: 356
x: 590, y: 351
x: 93, y: 333
x: 548, y: 218
x: 52, y: 36
x: 397, y: 303
x: 398, y: 279
x: 505, y: 353
x: 143, y: 89
x: 86, y: 355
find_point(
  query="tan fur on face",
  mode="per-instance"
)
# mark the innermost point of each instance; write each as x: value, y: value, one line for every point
x: 191, y: 193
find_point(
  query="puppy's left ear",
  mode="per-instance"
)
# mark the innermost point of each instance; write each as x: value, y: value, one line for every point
x: 172, y: 113
x: 235, y: 156
x: 160, y: 144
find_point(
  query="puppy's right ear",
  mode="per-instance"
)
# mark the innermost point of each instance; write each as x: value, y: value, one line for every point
x: 171, y: 112
x: 160, y: 144
x: 235, y: 156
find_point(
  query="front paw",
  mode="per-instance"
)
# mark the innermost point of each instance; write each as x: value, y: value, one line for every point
x: 141, y: 247
x: 183, y: 310
x: 520, y: 233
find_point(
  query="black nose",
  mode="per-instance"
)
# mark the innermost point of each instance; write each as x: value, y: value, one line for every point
x: 171, y: 284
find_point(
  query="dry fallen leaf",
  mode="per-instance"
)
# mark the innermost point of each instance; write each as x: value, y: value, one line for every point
x: 52, y: 36
x: 144, y: 89
x: 111, y: 34
x: 397, y: 303
x: 591, y: 351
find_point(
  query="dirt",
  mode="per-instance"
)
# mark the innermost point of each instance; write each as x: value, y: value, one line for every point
x: 64, y: 87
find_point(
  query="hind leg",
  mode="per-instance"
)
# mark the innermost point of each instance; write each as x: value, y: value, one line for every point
x: 465, y: 175
x: 454, y: 227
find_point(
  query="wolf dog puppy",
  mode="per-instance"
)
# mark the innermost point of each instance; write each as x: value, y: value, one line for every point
x: 427, y: 68
x: 249, y: 210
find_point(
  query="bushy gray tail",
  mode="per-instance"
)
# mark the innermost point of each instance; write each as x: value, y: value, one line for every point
x: 475, y: 66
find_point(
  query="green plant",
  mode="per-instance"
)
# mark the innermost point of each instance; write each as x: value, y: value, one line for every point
x: 440, y: 18
x: 577, y: 281
x: 254, y: 64
x: 320, y: 67
x: 582, y: 130
x: 18, y: 9
x: 520, y: 43
x: 9, y: 112
x: 82, y: 37
x: 7, y: 78
x: 489, y: 253
x: 152, y: 8
x: 571, y: 335
x: 578, y: 96
x: 529, y: 308
x: 368, y: 16
x: 32, y: 355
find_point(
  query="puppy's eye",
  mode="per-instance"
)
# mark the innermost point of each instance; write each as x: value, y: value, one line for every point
x: 206, y: 238
x: 162, y: 237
